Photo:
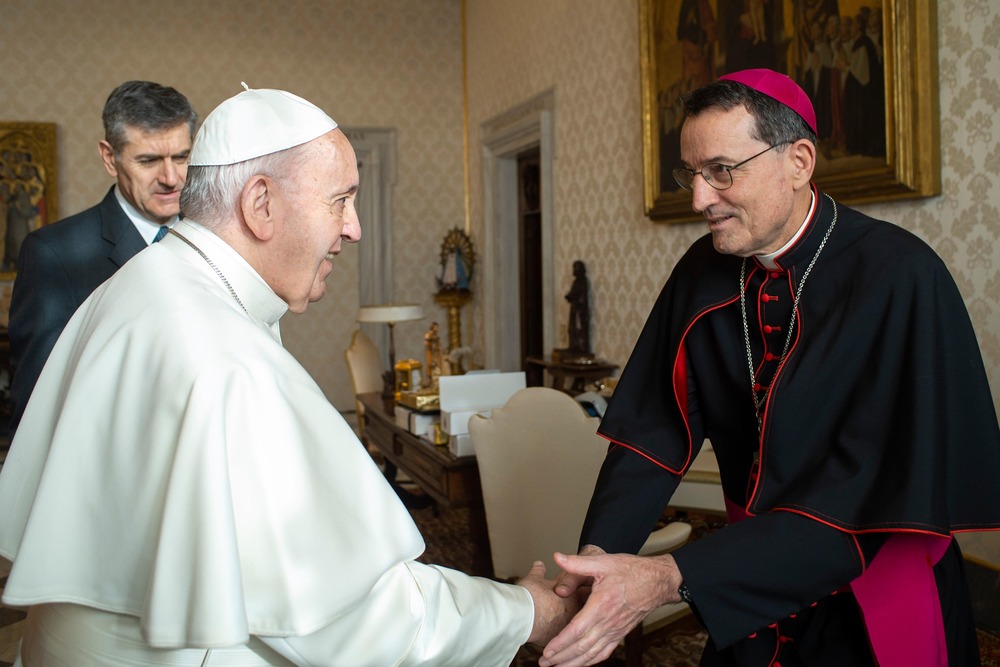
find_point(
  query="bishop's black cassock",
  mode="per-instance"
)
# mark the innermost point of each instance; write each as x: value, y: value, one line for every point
x: 878, y: 423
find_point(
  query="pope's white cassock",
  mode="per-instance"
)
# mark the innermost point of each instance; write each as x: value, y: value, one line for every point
x: 181, y: 492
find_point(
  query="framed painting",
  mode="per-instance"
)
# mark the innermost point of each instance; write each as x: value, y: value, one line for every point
x: 28, y: 192
x: 869, y: 66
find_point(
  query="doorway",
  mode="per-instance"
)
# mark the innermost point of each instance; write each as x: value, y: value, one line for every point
x: 520, y: 138
x: 529, y: 215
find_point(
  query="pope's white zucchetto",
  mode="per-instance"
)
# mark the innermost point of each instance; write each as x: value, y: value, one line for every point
x: 255, y: 123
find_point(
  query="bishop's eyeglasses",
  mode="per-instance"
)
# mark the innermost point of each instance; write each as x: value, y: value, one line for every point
x: 719, y: 176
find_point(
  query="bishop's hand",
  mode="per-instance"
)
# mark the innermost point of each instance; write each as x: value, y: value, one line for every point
x: 624, y: 591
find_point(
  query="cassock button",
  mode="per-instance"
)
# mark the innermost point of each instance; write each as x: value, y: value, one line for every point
x: 765, y: 298
x: 768, y: 328
x: 770, y: 356
x: 757, y: 386
x: 775, y: 274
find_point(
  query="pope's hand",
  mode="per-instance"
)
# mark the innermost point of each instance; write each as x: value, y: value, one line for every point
x: 568, y: 583
x: 625, y: 589
x: 552, y: 612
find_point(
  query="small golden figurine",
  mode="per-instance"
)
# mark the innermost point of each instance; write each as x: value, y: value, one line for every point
x: 432, y: 346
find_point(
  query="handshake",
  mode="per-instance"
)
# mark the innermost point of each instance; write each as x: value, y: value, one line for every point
x: 582, y: 615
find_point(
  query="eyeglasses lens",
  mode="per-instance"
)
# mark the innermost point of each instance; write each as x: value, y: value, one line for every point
x: 716, y: 175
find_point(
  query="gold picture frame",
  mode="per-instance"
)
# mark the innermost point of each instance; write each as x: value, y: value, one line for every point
x: 686, y: 43
x: 29, y: 196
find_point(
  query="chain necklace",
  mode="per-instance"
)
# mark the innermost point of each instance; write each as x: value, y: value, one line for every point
x: 214, y: 268
x: 758, y: 402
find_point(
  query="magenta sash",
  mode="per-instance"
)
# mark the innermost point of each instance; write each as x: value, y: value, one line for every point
x: 899, y: 598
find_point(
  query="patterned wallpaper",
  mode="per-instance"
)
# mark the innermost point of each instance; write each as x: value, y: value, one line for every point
x: 589, y: 52
x: 369, y: 63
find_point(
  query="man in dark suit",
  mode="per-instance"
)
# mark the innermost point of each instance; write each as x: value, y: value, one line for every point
x: 148, y: 130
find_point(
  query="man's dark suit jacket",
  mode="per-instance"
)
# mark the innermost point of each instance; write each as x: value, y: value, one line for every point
x: 58, y: 267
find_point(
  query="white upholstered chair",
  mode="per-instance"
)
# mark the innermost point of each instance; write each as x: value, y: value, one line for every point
x: 701, y: 488
x: 364, y: 363
x: 538, y: 459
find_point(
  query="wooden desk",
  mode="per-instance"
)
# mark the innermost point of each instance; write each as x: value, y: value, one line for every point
x: 451, y: 481
x: 560, y: 371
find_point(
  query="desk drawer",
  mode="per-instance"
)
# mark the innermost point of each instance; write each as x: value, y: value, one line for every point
x: 379, y: 433
x: 428, y: 472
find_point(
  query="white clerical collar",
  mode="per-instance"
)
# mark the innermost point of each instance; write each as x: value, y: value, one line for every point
x: 767, y: 261
x: 254, y: 294
x: 146, y: 228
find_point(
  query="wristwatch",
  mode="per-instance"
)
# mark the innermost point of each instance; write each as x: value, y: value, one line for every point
x: 685, y: 594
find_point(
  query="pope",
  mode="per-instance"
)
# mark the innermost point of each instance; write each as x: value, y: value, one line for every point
x: 180, y: 491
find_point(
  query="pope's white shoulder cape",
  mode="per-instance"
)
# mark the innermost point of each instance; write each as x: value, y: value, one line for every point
x: 176, y: 464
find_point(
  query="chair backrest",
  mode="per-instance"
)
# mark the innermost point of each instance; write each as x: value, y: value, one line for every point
x: 538, y: 458
x: 364, y: 363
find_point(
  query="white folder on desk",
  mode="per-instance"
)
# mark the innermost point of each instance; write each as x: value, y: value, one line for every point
x: 461, y: 396
x: 478, y: 390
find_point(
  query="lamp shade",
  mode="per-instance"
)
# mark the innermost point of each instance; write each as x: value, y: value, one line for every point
x: 391, y: 312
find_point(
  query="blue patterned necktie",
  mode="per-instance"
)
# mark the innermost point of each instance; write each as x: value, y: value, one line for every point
x: 160, y: 233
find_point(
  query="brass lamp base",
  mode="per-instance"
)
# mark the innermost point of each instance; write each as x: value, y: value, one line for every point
x: 388, y: 385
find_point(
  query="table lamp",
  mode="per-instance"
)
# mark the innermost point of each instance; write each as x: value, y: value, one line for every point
x: 390, y: 313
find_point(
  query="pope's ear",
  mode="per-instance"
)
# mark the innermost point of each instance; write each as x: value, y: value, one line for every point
x: 256, y: 203
x: 803, y: 155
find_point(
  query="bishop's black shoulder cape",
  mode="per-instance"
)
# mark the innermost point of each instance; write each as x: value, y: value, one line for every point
x: 880, y: 418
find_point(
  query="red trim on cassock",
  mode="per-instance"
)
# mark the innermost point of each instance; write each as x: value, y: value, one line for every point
x: 641, y: 453
x: 679, y: 383
x: 791, y: 350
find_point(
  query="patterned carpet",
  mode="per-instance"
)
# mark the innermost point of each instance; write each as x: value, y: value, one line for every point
x: 446, y: 536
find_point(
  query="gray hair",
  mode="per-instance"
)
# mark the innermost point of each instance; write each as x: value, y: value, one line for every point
x: 147, y: 106
x: 211, y: 194
x: 774, y: 123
